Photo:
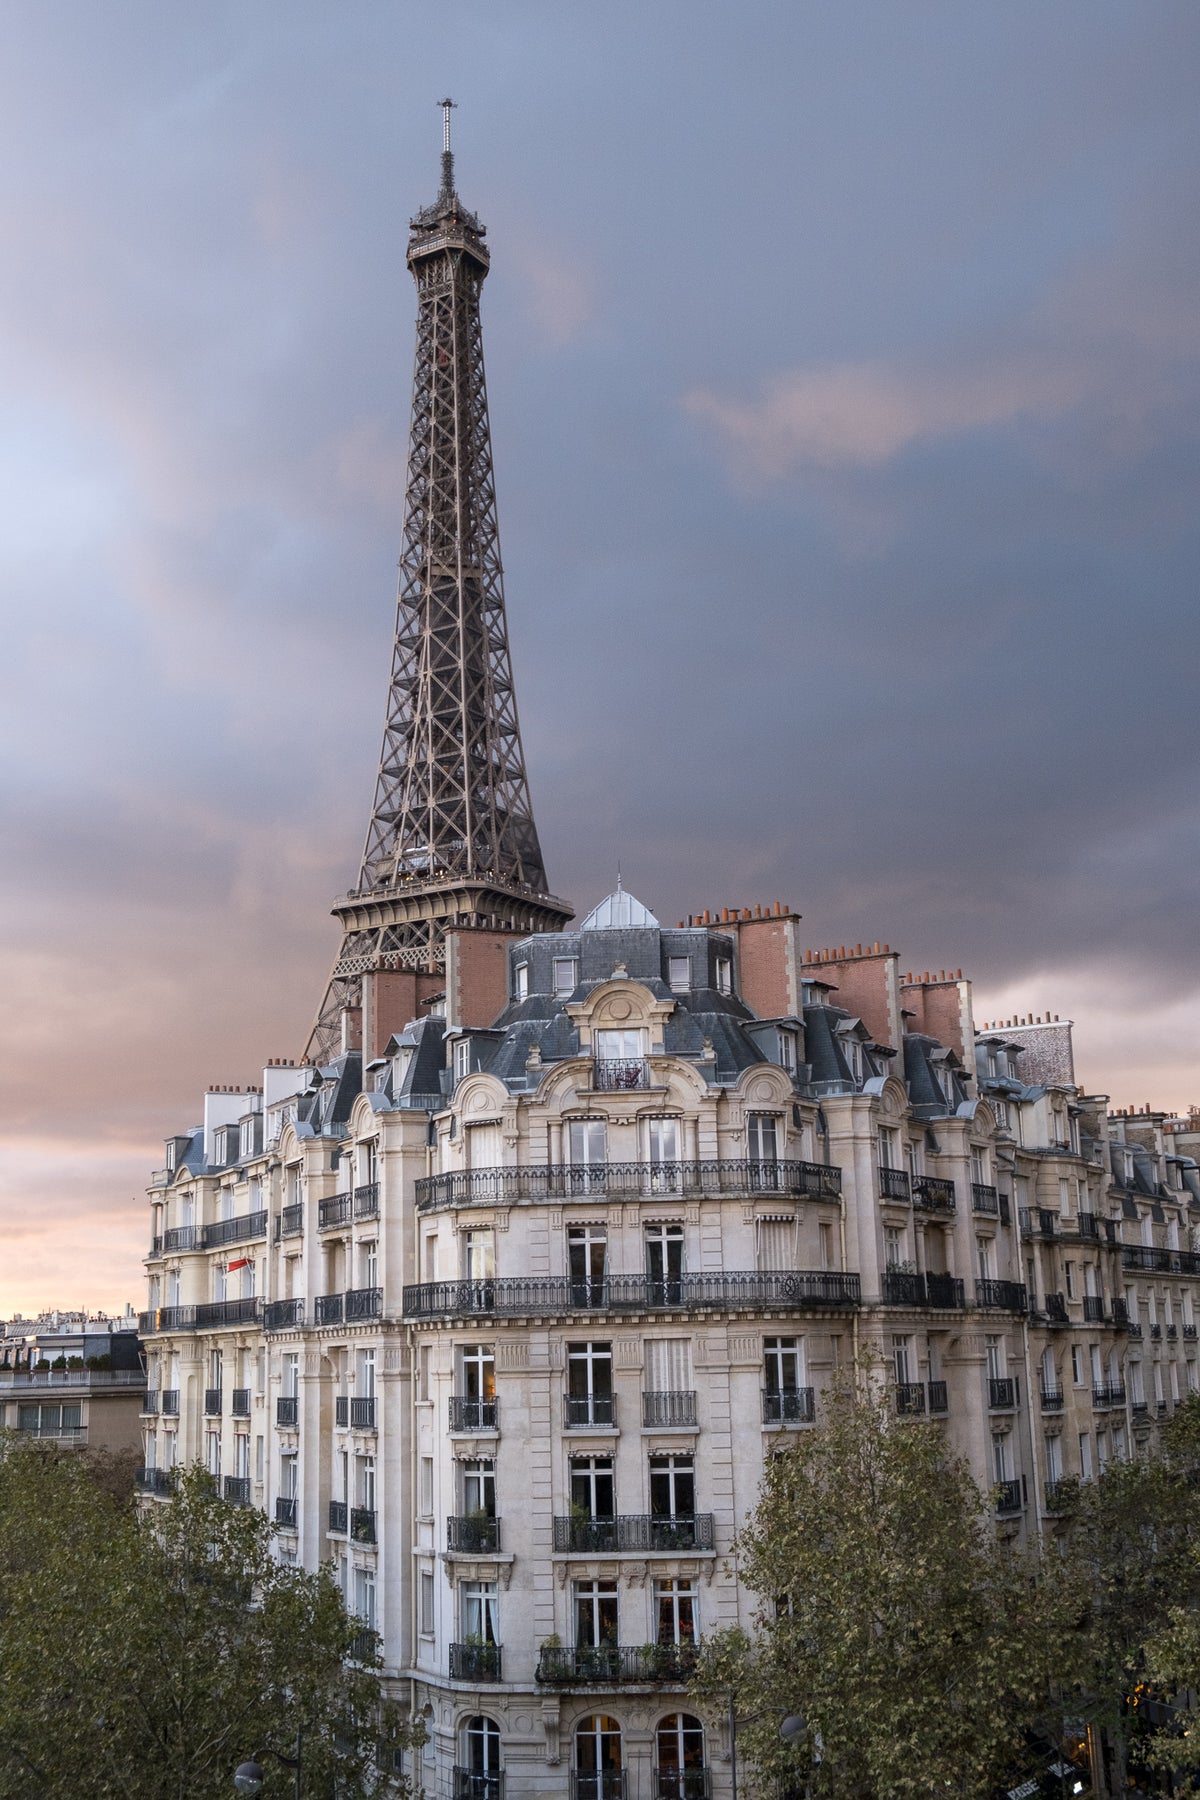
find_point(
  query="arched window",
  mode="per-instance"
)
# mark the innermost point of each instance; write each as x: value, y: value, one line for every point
x: 598, y: 1773
x: 679, y: 1745
x: 479, y: 1776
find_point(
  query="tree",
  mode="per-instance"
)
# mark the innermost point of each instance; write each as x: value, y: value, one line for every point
x: 916, y: 1648
x: 150, y: 1653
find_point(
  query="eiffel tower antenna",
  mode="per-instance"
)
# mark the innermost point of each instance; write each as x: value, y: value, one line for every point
x: 451, y: 842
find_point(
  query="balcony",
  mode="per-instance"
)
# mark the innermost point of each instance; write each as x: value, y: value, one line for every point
x: 669, y: 1408
x: 286, y: 1509
x: 149, y: 1402
x: 1105, y: 1394
x: 1060, y: 1493
x: 469, y: 1413
x: 1156, y: 1333
x: 291, y: 1221
x: 287, y: 1411
x: 634, y: 1532
x: 364, y: 1645
x: 339, y: 1517
x: 473, y: 1535
x: 1189, y: 1334
x: 1120, y: 1314
x: 167, y: 1318
x: 237, y: 1489
x: 240, y: 1407
x: 475, y: 1662
x: 1161, y: 1262
x: 1089, y: 1227
x: 894, y: 1184
x: 362, y: 1524
x: 213, y: 1313
x: 944, y: 1292
x: 1002, y: 1393
x: 363, y: 1303
x: 1093, y: 1308
x: 1006, y: 1296
x: 1056, y: 1309
x: 212, y: 1403
x: 605, y: 1784
x: 334, y: 1211
x: 910, y: 1399
x: 362, y: 1413
x: 156, y: 1246
x: 932, y: 1194
x: 788, y: 1406
x: 1051, y: 1399
x: 468, y: 1785
x: 583, y: 1410
x: 366, y: 1200
x: 615, y: 1665
x: 170, y: 1403
x: 938, y: 1398
x: 179, y: 1237
x: 155, y: 1481
x: 985, y: 1199
x: 686, y: 1784
x: 234, y: 1231
x: 1008, y: 1497
x: 902, y: 1288
x: 695, y: 1179
x: 329, y: 1309
x: 1037, y: 1221
x: 618, y: 1075
x: 283, y: 1315
x: 533, y: 1296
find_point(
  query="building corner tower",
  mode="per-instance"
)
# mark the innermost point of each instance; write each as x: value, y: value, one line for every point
x: 451, y: 844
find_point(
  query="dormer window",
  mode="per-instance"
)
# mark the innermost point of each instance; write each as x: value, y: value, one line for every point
x: 170, y: 1156
x: 521, y: 981
x: 566, y: 976
x: 787, y: 1051
x: 462, y: 1058
x: 679, y: 974
x: 724, y: 975
x: 993, y: 1062
x: 852, y: 1050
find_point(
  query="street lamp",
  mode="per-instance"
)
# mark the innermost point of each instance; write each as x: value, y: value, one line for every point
x: 792, y: 1730
x: 248, y: 1778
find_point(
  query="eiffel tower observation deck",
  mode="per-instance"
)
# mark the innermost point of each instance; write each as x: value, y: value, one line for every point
x: 451, y: 843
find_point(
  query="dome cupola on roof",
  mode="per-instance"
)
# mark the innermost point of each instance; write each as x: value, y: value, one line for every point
x: 619, y: 912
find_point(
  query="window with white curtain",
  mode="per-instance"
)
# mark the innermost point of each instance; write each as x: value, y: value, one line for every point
x: 669, y: 1366
x: 776, y: 1243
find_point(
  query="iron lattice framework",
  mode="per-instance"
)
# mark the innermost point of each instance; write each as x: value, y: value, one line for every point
x: 451, y: 840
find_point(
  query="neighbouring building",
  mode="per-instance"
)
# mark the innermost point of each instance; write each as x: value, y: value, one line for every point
x: 502, y: 1296
x: 74, y: 1379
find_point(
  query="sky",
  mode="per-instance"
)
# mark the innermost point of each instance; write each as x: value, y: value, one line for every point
x: 844, y: 368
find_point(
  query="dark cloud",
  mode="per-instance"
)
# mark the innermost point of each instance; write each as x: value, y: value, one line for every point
x: 844, y: 376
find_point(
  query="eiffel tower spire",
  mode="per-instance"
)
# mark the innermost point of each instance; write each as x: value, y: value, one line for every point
x: 451, y: 842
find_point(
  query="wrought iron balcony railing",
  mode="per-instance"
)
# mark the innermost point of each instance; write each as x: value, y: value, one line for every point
x: 669, y: 1408
x: 685, y: 1784
x: 580, y: 1181
x: 1056, y: 1309
x: 1003, y: 1393
x: 617, y: 1074
x: 233, y: 1231
x: 330, y: 1309
x: 1051, y: 1399
x: 470, y: 1785
x: 179, y: 1237
x: 1093, y: 1308
x: 362, y: 1524
x: 985, y: 1199
x: 363, y: 1303
x: 611, y: 1665
x: 475, y: 1662
x: 1160, y: 1262
x: 150, y: 1401
x: 910, y: 1399
x: 1060, y: 1493
x: 902, y: 1287
x: 932, y: 1193
x: 155, y: 1481
x: 291, y: 1220
x: 1009, y: 1498
x: 334, y: 1211
x: 518, y: 1296
x: 894, y: 1184
x: 237, y: 1489
x: 469, y: 1413
x: 170, y: 1403
x: 582, y: 1410
x: 603, y: 1784
x: 1037, y: 1221
x: 212, y: 1403
x: 240, y: 1406
x: 366, y: 1200
x: 286, y: 1508
x: 364, y: 1645
x: 287, y: 1410
x: 281, y: 1315
x: 633, y: 1532
x: 1109, y: 1393
x: 1089, y: 1226
x: 339, y: 1517
x: 788, y: 1406
x: 939, y: 1399
x: 473, y: 1535
x: 1008, y: 1296
x: 362, y: 1412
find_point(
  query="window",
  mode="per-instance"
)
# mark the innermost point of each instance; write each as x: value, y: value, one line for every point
x: 424, y: 1367
x: 521, y: 981
x: 679, y: 974
x: 478, y: 1364
x: 482, y: 1740
x: 724, y: 969
x: 1069, y: 1273
x: 595, y: 1613
x: 775, y: 1245
x: 852, y: 1051
x: 1001, y: 1457
x: 983, y: 1249
x: 462, y: 1058
x: 479, y: 1255
x: 995, y: 1359
x: 1137, y: 1391
x: 589, y: 1384
x: 1052, y: 1444
x: 825, y: 1240
x: 290, y: 1374
x: 364, y: 1597
x: 478, y: 1487
x: 672, y: 1486
x: 479, y: 1614
x: 592, y: 1490
x: 669, y: 1365
x: 679, y: 1755
x: 787, y: 1051
x: 1101, y: 1451
x: 364, y: 1470
x: 566, y: 975
x: 1077, y: 1365
x: 783, y: 1364
x: 587, y: 1263
x: 675, y: 1612
x: 980, y: 1168
x: 587, y: 1144
x: 425, y: 1591
x: 425, y: 1488
x: 663, y: 1241
x: 893, y: 1247
x: 889, y: 1148
x: 366, y: 1375
x: 902, y: 1360
x: 1085, y: 1456
x: 214, y: 1455
x: 663, y: 1145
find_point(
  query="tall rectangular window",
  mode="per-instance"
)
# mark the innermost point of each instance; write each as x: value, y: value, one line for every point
x: 675, y: 1611
x: 589, y: 1384
x: 587, y: 1264
x: 679, y: 974
x: 566, y: 974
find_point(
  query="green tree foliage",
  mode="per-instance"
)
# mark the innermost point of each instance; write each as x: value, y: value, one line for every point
x: 148, y: 1654
x: 916, y: 1647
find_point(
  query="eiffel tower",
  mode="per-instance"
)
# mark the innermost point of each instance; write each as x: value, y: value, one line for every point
x: 451, y: 843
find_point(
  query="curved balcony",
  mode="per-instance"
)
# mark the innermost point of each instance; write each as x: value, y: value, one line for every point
x: 902, y: 1288
x: 280, y: 1315
x: 579, y: 1181
x: 475, y: 1662
x: 1005, y: 1296
x: 931, y: 1193
x: 233, y: 1231
x: 615, y: 1665
x: 522, y: 1297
